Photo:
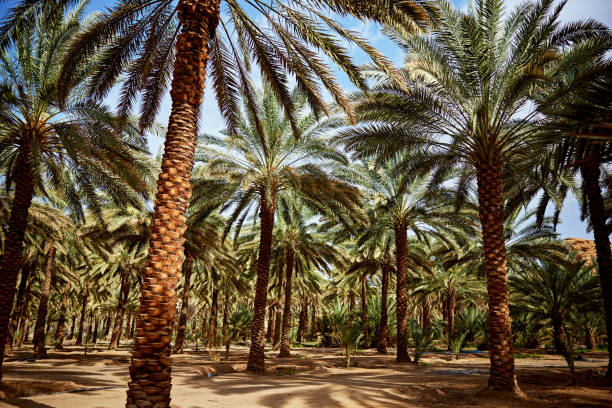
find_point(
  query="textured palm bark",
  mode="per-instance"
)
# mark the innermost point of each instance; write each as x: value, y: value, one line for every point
x: 591, y: 172
x: 401, y: 246
x: 23, y: 315
x: 591, y: 341
x: 491, y: 214
x: 285, y: 346
x: 256, y: 360
x: 381, y: 343
x: 23, y: 282
x: 150, y: 368
x: 182, y: 321
x: 278, y: 318
x: 79, y: 339
x: 60, y: 332
x: 351, y: 301
x: 364, y: 310
x: 40, y: 351
x: 124, y: 292
x: 445, y: 316
x: 302, y: 321
x: 212, y: 322
x: 90, y: 327
x: 558, y: 341
x: 13, y: 245
x: 426, y: 316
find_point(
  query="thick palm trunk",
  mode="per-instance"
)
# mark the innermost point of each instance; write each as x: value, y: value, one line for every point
x: 364, y: 309
x: 13, y: 246
x: 256, y: 361
x: 107, y: 323
x: 72, y: 325
x: 16, y: 314
x: 426, y: 316
x: 491, y: 214
x: 302, y: 321
x: 278, y: 319
x: 401, y: 246
x: 40, y: 351
x: 23, y: 315
x: 60, y: 333
x: 128, y: 325
x: 285, y: 347
x: 212, y: 322
x: 150, y: 368
x: 182, y: 322
x: 381, y: 345
x: 590, y: 174
x: 79, y: 340
x: 351, y: 301
x: 124, y: 292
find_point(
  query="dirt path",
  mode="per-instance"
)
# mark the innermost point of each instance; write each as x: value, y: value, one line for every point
x: 313, y: 378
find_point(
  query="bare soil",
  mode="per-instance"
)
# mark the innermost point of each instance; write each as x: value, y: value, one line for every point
x: 312, y: 377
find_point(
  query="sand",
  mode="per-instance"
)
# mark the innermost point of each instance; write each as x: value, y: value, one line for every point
x: 310, y: 378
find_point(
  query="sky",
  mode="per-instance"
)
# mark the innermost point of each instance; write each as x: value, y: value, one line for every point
x: 211, y: 120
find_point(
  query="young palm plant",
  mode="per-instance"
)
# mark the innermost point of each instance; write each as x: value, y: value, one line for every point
x: 265, y: 165
x: 470, y: 82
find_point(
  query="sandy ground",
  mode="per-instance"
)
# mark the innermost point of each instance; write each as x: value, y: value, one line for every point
x: 311, y: 378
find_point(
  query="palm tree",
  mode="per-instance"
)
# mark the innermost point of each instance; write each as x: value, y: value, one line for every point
x: 39, y: 138
x: 555, y: 292
x: 401, y: 204
x: 264, y: 165
x: 161, y: 39
x: 301, y: 248
x: 467, y: 82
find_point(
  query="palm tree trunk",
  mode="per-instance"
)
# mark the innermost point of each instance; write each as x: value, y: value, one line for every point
x: 124, y: 292
x: 182, y: 322
x: 302, y: 321
x: 401, y: 246
x: 278, y: 318
x: 128, y: 325
x: 40, y: 351
x: 79, y: 340
x: 73, y: 324
x: 591, y: 342
x: 426, y: 316
x: 61, y: 323
x: 381, y: 346
x: 270, y: 327
x: 212, y: 322
x: 90, y: 327
x: 557, y: 323
x: 256, y: 361
x: 451, y: 312
x: 13, y: 246
x: 23, y: 282
x: 94, y: 340
x: 491, y: 214
x: 285, y: 347
x: 313, y: 322
x: 23, y: 314
x: 364, y: 309
x: 445, y: 316
x: 107, y: 323
x: 351, y: 301
x: 151, y: 364
x: 590, y: 174
x: 225, y: 312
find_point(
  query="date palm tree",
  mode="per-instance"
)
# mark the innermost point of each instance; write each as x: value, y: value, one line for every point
x: 266, y: 166
x: 470, y: 82
x: 39, y: 138
x: 153, y: 41
x: 404, y: 203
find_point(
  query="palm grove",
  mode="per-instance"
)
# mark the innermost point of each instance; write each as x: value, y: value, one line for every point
x: 344, y: 220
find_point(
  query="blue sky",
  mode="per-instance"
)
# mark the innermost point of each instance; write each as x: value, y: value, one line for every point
x: 211, y: 121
